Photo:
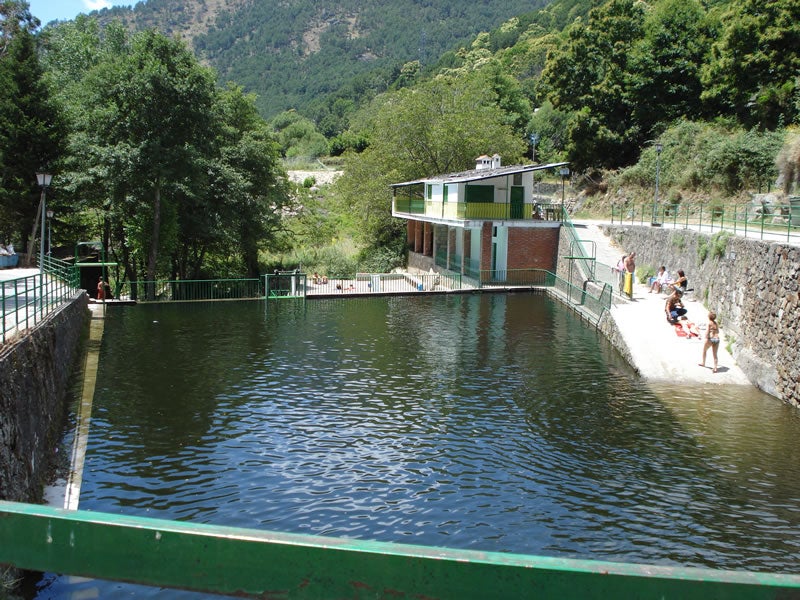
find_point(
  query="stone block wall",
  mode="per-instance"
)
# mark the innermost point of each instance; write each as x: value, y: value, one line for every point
x: 35, y: 371
x: 753, y: 287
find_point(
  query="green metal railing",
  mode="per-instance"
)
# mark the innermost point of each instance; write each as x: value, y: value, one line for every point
x: 588, y: 304
x: 388, y: 283
x: 516, y: 277
x: 249, y: 563
x: 478, y: 210
x: 26, y: 301
x: 189, y: 290
x: 783, y: 223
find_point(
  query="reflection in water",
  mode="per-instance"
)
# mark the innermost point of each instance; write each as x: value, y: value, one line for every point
x: 494, y: 422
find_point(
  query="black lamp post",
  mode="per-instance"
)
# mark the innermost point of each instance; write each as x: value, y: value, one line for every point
x: 44, y: 180
x: 50, y: 214
x: 564, y: 172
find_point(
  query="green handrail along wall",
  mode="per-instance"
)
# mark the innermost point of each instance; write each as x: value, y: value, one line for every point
x: 250, y: 563
x: 749, y: 220
x: 589, y: 305
x: 28, y: 300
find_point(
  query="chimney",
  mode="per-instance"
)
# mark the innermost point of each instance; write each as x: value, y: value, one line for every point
x: 483, y: 162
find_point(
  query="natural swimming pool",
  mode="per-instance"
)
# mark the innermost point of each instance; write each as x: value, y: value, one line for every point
x: 494, y: 422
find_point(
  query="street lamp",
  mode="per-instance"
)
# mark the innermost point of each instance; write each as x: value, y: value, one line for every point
x: 44, y: 180
x: 50, y: 214
x: 564, y: 172
x: 659, y: 148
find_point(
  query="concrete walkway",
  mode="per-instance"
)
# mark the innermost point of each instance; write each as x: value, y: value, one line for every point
x: 658, y: 353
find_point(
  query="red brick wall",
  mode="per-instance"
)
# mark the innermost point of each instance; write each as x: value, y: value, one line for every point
x: 427, y: 245
x: 533, y: 248
x: 418, y: 237
x: 486, y: 246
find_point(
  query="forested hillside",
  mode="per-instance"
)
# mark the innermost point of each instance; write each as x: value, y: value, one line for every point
x: 293, y: 54
x: 156, y: 157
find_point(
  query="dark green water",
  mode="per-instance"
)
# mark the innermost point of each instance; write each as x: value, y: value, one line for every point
x: 493, y: 422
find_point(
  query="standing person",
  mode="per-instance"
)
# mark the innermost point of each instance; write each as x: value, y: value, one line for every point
x: 712, y: 340
x: 101, y: 289
x: 620, y: 269
x: 630, y: 269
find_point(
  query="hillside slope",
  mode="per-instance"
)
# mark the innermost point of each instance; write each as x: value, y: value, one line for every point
x: 294, y: 52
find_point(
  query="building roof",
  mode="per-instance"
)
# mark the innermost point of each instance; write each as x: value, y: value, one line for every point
x: 478, y: 174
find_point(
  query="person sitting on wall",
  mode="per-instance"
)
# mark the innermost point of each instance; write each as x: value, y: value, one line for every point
x: 681, y: 283
x: 660, y: 280
x: 674, y: 308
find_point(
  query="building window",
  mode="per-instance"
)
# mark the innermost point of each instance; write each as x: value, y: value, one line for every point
x: 517, y: 179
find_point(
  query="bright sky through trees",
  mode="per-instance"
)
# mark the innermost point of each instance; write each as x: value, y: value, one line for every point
x: 51, y: 10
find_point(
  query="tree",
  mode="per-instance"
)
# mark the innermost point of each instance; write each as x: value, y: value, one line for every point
x: 186, y: 177
x: 32, y: 129
x: 589, y: 77
x: 754, y: 65
x: 435, y: 128
x: 665, y: 65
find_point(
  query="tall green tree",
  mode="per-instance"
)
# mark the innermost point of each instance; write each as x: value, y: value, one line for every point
x: 753, y: 72
x: 434, y: 128
x: 588, y: 76
x: 665, y: 65
x: 186, y: 178
x: 31, y: 127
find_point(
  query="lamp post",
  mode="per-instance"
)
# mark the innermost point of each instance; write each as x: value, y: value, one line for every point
x: 564, y: 172
x: 659, y: 148
x: 44, y: 180
x: 50, y: 214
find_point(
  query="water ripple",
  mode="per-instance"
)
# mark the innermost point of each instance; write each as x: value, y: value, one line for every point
x: 488, y: 422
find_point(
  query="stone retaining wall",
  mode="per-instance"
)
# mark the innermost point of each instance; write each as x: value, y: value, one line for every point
x: 35, y: 371
x: 752, y: 286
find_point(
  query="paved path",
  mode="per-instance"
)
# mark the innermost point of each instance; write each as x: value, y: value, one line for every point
x: 657, y: 352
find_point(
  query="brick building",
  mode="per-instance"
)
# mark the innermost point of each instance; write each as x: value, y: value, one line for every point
x: 490, y: 223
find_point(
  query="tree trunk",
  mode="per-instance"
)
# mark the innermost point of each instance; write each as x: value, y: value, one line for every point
x: 152, y: 258
x: 32, y: 240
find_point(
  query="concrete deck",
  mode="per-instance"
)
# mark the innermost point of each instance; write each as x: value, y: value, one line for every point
x: 657, y: 352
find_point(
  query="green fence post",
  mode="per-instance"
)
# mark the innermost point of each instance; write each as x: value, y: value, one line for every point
x: 789, y: 226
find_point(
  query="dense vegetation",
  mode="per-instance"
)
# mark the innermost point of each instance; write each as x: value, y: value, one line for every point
x: 297, y: 53
x: 182, y: 178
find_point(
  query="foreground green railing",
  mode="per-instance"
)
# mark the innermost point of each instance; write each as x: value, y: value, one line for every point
x: 776, y: 223
x: 262, y: 564
x: 26, y: 301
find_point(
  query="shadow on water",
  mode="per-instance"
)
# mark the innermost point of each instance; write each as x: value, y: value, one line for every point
x: 493, y: 422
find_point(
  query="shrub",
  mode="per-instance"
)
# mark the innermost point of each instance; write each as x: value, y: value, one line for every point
x: 645, y: 273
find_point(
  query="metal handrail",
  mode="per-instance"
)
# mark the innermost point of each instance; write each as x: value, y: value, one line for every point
x: 26, y: 301
x: 188, y: 290
x: 745, y: 220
